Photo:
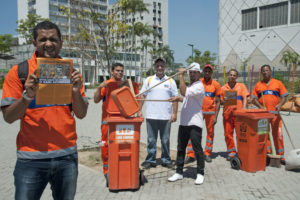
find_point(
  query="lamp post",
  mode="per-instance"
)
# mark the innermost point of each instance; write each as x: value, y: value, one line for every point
x: 192, y: 51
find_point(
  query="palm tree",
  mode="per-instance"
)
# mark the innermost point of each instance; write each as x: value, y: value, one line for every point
x: 288, y: 59
x: 131, y: 8
x: 145, y: 44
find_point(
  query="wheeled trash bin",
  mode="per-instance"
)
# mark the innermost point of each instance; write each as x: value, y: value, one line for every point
x: 252, y: 127
x: 123, y: 147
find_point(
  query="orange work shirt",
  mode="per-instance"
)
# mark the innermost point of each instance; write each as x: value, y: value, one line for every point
x: 271, y: 93
x: 212, y: 88
x: 242, y: 93
x: 46, y: 131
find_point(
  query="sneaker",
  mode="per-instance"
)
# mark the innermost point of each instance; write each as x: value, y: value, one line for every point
x: 168, y: 165
x: 282, y: 162
x: 207, y: 159
x: 148, y: 165
x: 189, y: 160
x: 175, y: 177
x: 199, y: 180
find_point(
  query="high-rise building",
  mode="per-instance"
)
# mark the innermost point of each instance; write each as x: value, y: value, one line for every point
x: 257, y: 32
x: 156, y: 18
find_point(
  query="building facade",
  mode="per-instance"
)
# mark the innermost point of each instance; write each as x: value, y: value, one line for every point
x: 157, y: 19
x: 257, y: 32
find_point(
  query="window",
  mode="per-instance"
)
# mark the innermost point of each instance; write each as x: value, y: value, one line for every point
x: 31, y: 3
x: 295, y: 11
x: 249, y: 19
x: 273, y: 15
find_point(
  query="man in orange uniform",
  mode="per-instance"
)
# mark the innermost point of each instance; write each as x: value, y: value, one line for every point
x: 234, y: 97
x: 210, y: 110
x: 272, y: 93
x: 46, y: 142
x: 117, y: 72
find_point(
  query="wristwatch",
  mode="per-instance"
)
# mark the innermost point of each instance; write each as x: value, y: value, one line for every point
x: 24, y: 95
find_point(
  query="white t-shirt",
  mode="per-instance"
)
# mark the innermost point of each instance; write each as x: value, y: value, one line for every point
x: 155, y: 109
x: 191, y: 111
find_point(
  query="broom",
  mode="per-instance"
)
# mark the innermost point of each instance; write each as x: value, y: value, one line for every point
x: 273, y: 159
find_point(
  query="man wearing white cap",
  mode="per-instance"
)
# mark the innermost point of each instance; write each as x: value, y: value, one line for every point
x: 191, y: 122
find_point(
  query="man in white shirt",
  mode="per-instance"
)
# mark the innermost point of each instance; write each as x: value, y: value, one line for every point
x: 159, y: 114
x: 191, y: 122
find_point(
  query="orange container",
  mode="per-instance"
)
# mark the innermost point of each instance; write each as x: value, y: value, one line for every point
x: 252, y: 127
x: 125, y: 101
x: 123, y: 153
x: 123, y: 142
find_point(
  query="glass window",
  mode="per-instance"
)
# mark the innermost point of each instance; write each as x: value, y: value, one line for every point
x: 273, y: 15
x: 295, y: 11
x: 249, y: 19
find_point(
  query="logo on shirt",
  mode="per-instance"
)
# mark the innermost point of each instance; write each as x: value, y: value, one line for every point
x: 166, y: 85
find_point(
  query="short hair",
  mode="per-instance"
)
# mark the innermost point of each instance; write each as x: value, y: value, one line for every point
x: 47, y: 25
x: 265, y: 65
x: 116, y: 65
x: 159, y: 60
x: 233, y: 70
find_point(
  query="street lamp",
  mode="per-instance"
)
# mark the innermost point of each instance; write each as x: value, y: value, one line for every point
x: 192, y: 51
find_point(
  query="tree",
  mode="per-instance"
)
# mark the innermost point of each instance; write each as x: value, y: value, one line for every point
x: 25, y: 26
x: 132, y: 8
x: 206, y: 58
x: 288, y: 59
x: 97, y: 35
x: 6, y: 41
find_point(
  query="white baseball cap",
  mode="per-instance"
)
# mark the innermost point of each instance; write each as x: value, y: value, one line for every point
x: 196, y: 67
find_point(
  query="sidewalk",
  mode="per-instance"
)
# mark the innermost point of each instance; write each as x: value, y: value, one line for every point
x: 221, y: 182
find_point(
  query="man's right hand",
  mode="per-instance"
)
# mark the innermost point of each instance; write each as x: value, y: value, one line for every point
x: 31, y: 85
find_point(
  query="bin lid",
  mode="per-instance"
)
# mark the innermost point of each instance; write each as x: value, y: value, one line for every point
x: 125, y: 101
x: 111, y: 106
x: 254, y: 114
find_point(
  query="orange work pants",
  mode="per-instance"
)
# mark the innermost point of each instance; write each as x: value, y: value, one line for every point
x: 276, y: 125
x: 229, y: 123
x: 209, y: 138
x: 104, y: 147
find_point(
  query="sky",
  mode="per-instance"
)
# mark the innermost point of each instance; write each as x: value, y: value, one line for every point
x: 190, y: 22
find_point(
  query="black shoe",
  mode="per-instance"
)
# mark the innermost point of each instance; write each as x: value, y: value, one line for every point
x: 282, y: 162
x: 207, y: 159
x: 168, y: 165
x: 189, y: 160
x: 148, y: 165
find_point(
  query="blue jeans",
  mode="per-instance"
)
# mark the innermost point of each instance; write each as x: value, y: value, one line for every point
x: 164, y: 127
x: 32, y: 176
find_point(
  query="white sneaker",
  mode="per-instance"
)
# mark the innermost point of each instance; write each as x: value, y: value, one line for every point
x: 199, y: 180
x: 175, y: 177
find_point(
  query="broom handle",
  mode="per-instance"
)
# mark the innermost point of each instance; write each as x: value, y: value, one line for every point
x: 162, y: 82
x: 293, y: 145
x: 269, y: 133
x: 152, y: 99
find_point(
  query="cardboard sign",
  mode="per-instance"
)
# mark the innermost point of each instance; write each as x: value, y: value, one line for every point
x: 54, y: 81
x: 230, y: 98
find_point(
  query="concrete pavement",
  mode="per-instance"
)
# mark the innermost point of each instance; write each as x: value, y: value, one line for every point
x: 221, y: 182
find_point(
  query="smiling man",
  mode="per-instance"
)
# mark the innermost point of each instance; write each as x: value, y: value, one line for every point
x: 117, y: 72
x: 46, y: 142
x: 159, y: 115
x: 234, y: 97
x: 271, y: 94
x: 191, y: 122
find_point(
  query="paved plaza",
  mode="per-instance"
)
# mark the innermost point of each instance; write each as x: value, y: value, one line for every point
x: 221, y: 181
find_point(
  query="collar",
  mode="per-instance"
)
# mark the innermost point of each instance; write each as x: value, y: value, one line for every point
x: 164, y: 77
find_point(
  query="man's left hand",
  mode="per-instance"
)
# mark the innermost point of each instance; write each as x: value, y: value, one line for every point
x: 173, y: 118
x: 76, y: 81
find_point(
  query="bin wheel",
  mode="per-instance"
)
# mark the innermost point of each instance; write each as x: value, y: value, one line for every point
x: 235, y: 163
x: 142, y: 178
